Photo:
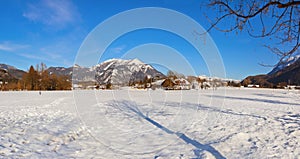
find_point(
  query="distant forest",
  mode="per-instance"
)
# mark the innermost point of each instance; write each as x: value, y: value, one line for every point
x: 38, y: 79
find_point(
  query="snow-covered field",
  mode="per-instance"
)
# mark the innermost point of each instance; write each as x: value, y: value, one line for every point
x: 225, y: 123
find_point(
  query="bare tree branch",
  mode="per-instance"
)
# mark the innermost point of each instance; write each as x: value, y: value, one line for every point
x: 279, y: 5
x: 277, y: 20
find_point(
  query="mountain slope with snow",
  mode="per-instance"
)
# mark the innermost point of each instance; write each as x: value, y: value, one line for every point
x: 113, y: 71
x: 11, y: 72
x: 122, y: 72
x: 285, y: 73
x: 82, y: 74
x: 284, y: 64
x: 289, y: 75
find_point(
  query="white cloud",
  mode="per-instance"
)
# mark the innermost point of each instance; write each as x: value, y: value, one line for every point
x: 54, y: 13
x: 31, y: 56
x: 8, y: 46
x: 117, y: 50
x: 46, y: 58
x: 56, y: 53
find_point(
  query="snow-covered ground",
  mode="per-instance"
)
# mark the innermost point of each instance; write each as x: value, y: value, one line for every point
x: 231, y: 123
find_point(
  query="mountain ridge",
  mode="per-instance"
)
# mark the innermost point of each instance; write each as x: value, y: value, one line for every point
x: 283, y: 74
x: 113, y: 71
x: 124, y: 72
x: 11, y: 72
x: 285, y: 63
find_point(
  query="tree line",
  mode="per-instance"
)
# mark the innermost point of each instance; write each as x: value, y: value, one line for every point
x: 39, y: 79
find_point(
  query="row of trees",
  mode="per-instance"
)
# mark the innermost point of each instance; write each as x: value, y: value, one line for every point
x: 39, y: 79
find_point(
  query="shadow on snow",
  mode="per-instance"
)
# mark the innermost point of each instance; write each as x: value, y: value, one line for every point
x: 256, y: 100
x: 182, y: 136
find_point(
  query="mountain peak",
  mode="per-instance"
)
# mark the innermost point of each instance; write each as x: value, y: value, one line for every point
x: 12, y: 71
x: 76, y: 66
x: 136, y: 61
x: 285, y: 63
x: 122, y: 72
x: 4, y: 66
x: 128, y: 61
x: 111, y: 60
x: 286, y: 74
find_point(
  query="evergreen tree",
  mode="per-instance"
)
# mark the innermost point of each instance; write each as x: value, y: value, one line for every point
x: 31, y: 79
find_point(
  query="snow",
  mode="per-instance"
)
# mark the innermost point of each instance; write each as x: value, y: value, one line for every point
x: 6, y: 67
x: 129, y: 123
x: 291, y: 60
x: 121, y: 72
x: 108, y: 66
x: 285, y: 63
x: 135, y: 62
x: 76, y: 66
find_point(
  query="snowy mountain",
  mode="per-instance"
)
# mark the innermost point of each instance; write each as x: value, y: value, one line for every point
x: 4, y: 66
x: 82, y: 73
x: 11, y: 72
x: 5, y: 76
x: 283, y: 64
x: 123, y: 72
x: 113, y: 71
x: 60, y: 71
x: 287, y: 74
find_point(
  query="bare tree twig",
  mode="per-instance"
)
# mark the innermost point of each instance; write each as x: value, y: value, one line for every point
x: 284, y: 29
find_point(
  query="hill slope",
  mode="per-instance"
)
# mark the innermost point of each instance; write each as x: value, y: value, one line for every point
x: 123, y: 72
x: 113, y: 71
x: 285, y: 74
x: 11, y: 71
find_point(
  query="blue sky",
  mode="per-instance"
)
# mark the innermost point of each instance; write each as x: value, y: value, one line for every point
x: 52, y: 31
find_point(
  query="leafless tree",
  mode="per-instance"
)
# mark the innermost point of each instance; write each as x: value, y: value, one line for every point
x: 277, y: 20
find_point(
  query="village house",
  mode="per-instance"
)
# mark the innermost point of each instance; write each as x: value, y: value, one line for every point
x: 176, y: 84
